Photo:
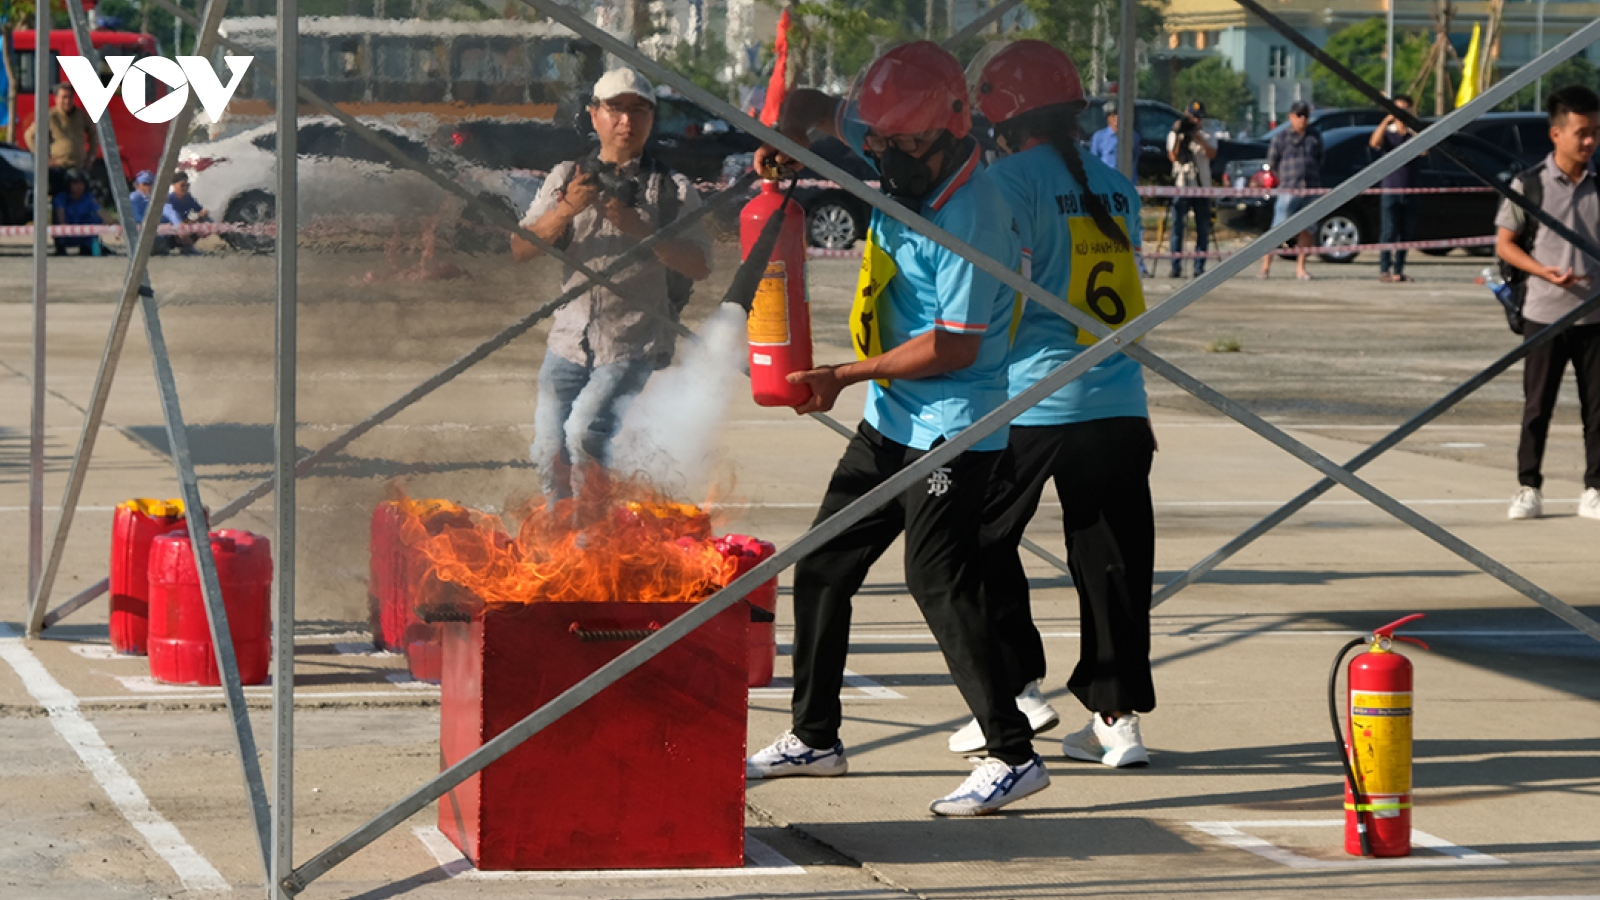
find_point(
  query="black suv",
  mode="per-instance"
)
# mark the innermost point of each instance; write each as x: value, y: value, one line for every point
x: 1525, y: 135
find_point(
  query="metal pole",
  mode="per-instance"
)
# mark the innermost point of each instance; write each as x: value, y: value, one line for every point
x: 1200, y: 569
x: 109, y: 358
x: 281, y: 861
x: 43, y: 214
x: 1127, y: 89
x: 900, y: 481
x: 1388, y: 48
x: 1538, y: 84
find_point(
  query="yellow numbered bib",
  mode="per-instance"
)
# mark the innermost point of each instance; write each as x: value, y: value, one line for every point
x: 866, y: 313
x: 1105, y: 276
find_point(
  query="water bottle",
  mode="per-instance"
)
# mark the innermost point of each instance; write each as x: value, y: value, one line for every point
x: 1502, y: 291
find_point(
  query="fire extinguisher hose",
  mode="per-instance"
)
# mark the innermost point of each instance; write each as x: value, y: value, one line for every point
x: 747, y: 278
x: 1347, y: 759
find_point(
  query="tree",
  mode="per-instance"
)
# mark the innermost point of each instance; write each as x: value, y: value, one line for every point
x: 1361, y: 49
x: 1577, y: 70
x: 1213, y: 81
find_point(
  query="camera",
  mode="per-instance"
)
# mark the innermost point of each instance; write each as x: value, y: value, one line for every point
x: 610, y: 180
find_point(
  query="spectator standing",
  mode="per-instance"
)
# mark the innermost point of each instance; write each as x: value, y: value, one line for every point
x: 73, y: 141
x: 932, y: 333
x: 1295, y: 157
x: 1399, y: 211
x: 180, y: 209
x: 603, y: 346
x: 1104, y: 142
x: 1560, y: 278
x: 1191, y: 154
x: 76, y: 206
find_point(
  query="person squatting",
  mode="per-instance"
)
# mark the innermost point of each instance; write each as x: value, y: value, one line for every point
x: 946, y: 344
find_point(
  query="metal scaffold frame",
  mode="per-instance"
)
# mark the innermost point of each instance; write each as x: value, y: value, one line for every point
x: 273, y: 821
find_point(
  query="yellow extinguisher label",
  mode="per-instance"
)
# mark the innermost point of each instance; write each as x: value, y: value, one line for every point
x: 1380, y: 723
x: 769, y: 314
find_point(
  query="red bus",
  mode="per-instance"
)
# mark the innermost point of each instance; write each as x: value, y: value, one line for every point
x: 140, y: 142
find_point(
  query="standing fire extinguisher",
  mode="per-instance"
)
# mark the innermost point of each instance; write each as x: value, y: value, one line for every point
x: 1376, y: 752
x: 780, y: 312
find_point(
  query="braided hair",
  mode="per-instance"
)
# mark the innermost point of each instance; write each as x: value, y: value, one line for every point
x: 1058, y: 124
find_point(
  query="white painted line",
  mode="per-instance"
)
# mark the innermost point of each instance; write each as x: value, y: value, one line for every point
x: 62, y: 707
x: 1463, y: 445
x: 870, y: 690
x: 49, y: 511
x: 404, y: 681
x: 145, y: 684
x: 362, y: 648
x: 302, y: 698
x: 761, y: 861
x: 102, y: 652
x: 1235, y: 834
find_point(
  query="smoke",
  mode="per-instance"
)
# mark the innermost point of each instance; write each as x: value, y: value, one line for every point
x: 669, y: 432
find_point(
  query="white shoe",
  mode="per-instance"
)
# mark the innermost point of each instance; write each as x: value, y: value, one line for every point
x: 1529, y: 504
x: 788, y: 755
x: 1041, y: 718
x: 1118, y: 745
x: 1589, y: 504
x: 991, y: 785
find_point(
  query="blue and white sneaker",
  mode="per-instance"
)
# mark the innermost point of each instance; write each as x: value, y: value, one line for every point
x: 788, y: 755
x: 991, y: 785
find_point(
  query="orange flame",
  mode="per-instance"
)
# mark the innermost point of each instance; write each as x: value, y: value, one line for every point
x: 619, y: 542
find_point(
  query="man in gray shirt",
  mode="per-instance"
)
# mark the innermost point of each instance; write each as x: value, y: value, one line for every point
x: 603, y: 345
x: 1559, y: 279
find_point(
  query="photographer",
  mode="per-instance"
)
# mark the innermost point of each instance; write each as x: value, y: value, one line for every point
x: 603, y: 345
x: 1191, y: 156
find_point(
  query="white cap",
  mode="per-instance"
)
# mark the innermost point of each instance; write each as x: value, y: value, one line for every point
x: 617, y: 82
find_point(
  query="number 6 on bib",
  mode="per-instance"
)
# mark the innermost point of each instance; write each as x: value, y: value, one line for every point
x: 1105, y: 276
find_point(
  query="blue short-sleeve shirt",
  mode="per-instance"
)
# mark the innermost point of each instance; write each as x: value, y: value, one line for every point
x: 1031, y: 182
x: 935, y: 288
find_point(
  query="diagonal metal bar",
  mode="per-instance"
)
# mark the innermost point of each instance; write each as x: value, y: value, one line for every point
x: 853, y: 512
x: 1410, y: 119
x: 1312, y: 213
x: 280, y: 860
x: 971, y: 29
x: 109, y: 358
x: 1200, y: 569
x: 178, y: 439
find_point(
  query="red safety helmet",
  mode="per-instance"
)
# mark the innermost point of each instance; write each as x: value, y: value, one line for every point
x: 914, y: 88
x: 1026, y: 76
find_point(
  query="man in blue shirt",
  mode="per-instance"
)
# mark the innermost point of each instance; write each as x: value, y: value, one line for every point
x: 931, y: 332
x: 76, y: 206
x: 182, y: 207
x: 1104, y: 143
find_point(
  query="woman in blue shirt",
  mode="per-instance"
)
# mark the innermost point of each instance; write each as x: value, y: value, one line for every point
x: 1079, y: 221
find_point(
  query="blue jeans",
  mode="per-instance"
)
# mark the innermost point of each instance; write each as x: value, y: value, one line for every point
x: 578, y: 414
x: 1399, y: 216
x: 1202, y: 231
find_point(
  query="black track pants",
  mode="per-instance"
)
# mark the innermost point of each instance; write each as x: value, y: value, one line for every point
x: 940, y: 516
x: 1101, y: 471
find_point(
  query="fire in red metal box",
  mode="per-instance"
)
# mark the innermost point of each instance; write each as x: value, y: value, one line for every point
x: 620, y: 541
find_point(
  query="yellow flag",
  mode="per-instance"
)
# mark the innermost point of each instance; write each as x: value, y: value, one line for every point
x: 1470, y: 65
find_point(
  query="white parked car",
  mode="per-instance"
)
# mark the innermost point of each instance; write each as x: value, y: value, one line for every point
x: 341, y: 174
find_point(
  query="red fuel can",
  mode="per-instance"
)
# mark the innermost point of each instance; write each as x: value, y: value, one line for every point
x: 181, y: 651
x: 647, y: 774
x: 394, y: 573
x: 134, y: 525
x: 763, y: 605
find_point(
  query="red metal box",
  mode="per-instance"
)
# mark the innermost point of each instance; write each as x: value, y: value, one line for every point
x: 647, y: 774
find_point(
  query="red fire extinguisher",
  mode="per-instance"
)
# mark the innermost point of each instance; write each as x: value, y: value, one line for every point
x: 1376, y: 751
x: 780, y: 313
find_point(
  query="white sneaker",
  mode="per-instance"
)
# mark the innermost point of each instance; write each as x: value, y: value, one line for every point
x: 1589, y: 504
x: 788, y: 755
x: 1041, y: 718
x: 1117, y: 745
x: 991, y: 785
x: 1529, y: 504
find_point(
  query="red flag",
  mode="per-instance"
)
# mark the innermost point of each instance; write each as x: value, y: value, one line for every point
x: 778, y: 86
